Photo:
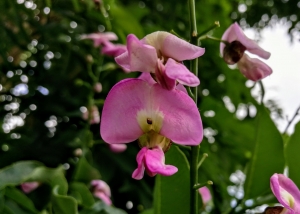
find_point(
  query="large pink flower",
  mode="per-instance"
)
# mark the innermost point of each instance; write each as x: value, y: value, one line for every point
x: 138, y: 110
x: 101, y: 190
x: 233, y: 52
x: 161, y: 53
x: 286, y: 192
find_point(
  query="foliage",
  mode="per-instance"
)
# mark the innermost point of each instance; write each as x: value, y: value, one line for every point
x: 46, y: 83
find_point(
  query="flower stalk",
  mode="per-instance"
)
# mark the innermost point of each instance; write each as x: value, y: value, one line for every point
x: 194, y: 149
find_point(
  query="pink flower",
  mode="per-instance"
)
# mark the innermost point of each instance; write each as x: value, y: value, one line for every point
x: 253, y: 69
x: 28, y: 187
x: 100, y: 38
x: 161, y: 53
x: 101, y: 190
x: 92, y: 115
x: 286, y: 192
x: 114, y: 50
x: 205, y: 194
x: 117, y: 148
x: 137, y: 110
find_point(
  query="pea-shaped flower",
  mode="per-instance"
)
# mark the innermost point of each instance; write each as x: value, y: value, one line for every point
x: 233, y: 52
x: 161, y: 53
x: 138, y: 110
x: 286, y: 192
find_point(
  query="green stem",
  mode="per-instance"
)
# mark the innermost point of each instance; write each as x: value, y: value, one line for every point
x: 293, y: 118
x: 205, y: 155
x: 214, y: 26
x: 214, y: 39
x: 262, y: 88
x: 194, y: 195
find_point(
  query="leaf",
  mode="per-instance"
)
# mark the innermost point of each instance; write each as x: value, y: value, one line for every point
x: 20, y: 198
x: 267, y: 157
x: 101, y: 208
x: 63, y: 204
x: 85, y: 172
x: 173, y: 193
x: 292, y: 155
x: 17, y: 173
x: 84, y: 195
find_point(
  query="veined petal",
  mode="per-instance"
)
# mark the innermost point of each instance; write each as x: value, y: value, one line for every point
x: 286, y: 192
x: 179, y: 72
x: 141, y: 57
x: 182, y: 123
x: 253, y: 69
x: 119, y: 115
x: 138, y: 173
x: 155, y: 163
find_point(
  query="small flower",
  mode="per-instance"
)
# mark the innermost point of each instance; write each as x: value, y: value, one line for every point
x: 161, y: 53
x: 92, y: 115
x: 114, y: 50
x: 100, y: 38
x: 205, y: 195
x: 286, y: 192
x: 233, y: 52
x: 101, y: 190
x: 98, y: 87
x: 28, y: 187
x: 138, y: 110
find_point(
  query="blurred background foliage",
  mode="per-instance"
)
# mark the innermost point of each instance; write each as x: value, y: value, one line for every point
x: 47, y: 77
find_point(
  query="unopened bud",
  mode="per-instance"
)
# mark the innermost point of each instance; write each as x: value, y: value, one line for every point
x: 233, y: 52
x: 89, y: 58
x: 98, y: 87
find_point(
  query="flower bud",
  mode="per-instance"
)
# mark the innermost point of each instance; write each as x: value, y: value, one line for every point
x: 233, y: 52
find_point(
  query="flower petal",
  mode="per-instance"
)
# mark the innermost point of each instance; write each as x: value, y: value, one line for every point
x: 179, y: 72
x: 119, y: 123
x: 139, y: 57
x: 138, y: 173
x: 180, y: 49
x: 205, y: 194
x: 113, y: 50
x: 117, y: 148
x: 147, y: 77
x: 100, y: 38
x: 286, y: 192
x: 253, y: 68
x: 182, y: 123
x: 155, y: 163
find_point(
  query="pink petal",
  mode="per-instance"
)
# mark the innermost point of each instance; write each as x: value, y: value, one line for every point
x: 253, y: 69
x: 161, y: 77
x: 28, y: 187
x: 205, y: 194
x: 279, y: 185
x: 113, y: 50
x: 117, y: 148
x: 180, y: 49
x: 125, y: 99
x: 100, y: 38
x: 234, y: 32
x: 147, y: 77
x: 179, y: 72
x: 139, y: 57
x: 138, y: 173
x: 182, y: 123
x: 103, y: 197
x: 102, y: 186
x: 181, y: 88
x: 155, y: 163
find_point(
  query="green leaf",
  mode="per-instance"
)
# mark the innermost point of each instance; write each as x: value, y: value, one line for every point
x: 17, y: 173
x: 20, y: 198
x: 82, y: 194
x: 173, y: 193
x: 85, y: 172
x: 101, y: 208
x: 292, y: 155
x: 63, y: 204
x: 148, y: 211
x: 267, y: 157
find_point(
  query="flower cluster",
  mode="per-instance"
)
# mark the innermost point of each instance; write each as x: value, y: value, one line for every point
x: 154, y: 109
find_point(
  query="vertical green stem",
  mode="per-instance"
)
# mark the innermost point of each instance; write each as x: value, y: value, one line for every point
x: 195, y: 149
